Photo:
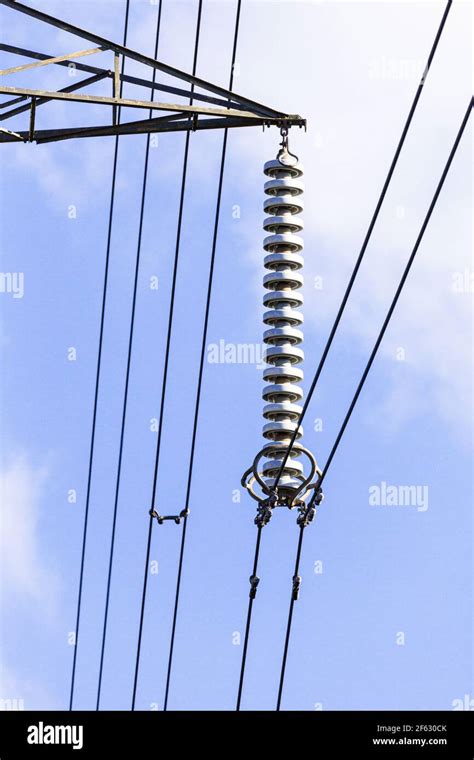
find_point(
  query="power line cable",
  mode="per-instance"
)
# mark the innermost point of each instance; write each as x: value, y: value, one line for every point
x: 97, y: 381
x: 127, y: 379
x: 290, y: 617
x: 165, y: 372
x: 367, y: 370
x: 201, y: 367
x: 366, y: 241
x: 253, y: 591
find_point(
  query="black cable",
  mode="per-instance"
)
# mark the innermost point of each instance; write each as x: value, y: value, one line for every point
x: 365, y: 243
x: 290, y: 618
x: 201, y: 366
x: 165, y: 372
x: 127, y: 379
x: 371, y: 359
x: 97, y: 380
x: 397, y: 294
x: 249, y: 618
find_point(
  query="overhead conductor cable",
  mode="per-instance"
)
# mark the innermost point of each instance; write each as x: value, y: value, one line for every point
x: 97, y: 385
x: 154, y: 514
x: 366, y: 372
x: 201, y: 369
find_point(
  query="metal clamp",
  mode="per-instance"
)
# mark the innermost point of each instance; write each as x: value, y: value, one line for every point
x: 254, y: 581
x: 296, y: 587
x: 176, y: 518
x: 306, y: 516
x: 264, y: 515
x: 316, y: 498
x: 307, y: 512
x: 265, y: 509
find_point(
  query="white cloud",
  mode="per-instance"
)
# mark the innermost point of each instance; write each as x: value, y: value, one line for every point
x: 22, y: 692
x: 29, y: 588
x: 24, y: 573
x: 64, y: 173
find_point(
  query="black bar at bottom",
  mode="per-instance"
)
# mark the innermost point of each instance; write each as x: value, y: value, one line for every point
x: 328, y: 733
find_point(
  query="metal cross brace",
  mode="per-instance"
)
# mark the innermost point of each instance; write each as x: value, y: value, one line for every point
x: 227, y: 109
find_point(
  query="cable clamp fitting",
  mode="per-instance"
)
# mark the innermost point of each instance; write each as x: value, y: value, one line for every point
x: 296, y: 587
x: 264, y: 515
x: 306, y: 516
x: 254, y: 581
x: 318, y: 496
x: 265, y: 509
x: 308, y: 513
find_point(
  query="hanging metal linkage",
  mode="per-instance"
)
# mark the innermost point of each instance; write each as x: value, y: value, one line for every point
x: 175, y: 518
x: 283, y: 483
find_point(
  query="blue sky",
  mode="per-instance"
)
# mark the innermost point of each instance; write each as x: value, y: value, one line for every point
x: 352, y: 70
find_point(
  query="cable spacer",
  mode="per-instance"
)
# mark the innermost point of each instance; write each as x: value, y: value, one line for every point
x: 176, y: 518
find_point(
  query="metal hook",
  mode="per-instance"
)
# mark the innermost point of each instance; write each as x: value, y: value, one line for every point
x: 285, y: 156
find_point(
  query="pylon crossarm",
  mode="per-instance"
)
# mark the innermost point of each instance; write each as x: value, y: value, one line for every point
x: 124, y: 78
x: 227, y: 109
x: 123, y: 102
x: 170, y: 123
x: 252, y: 106
x: 48, y: 61
x: 41, y: 100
